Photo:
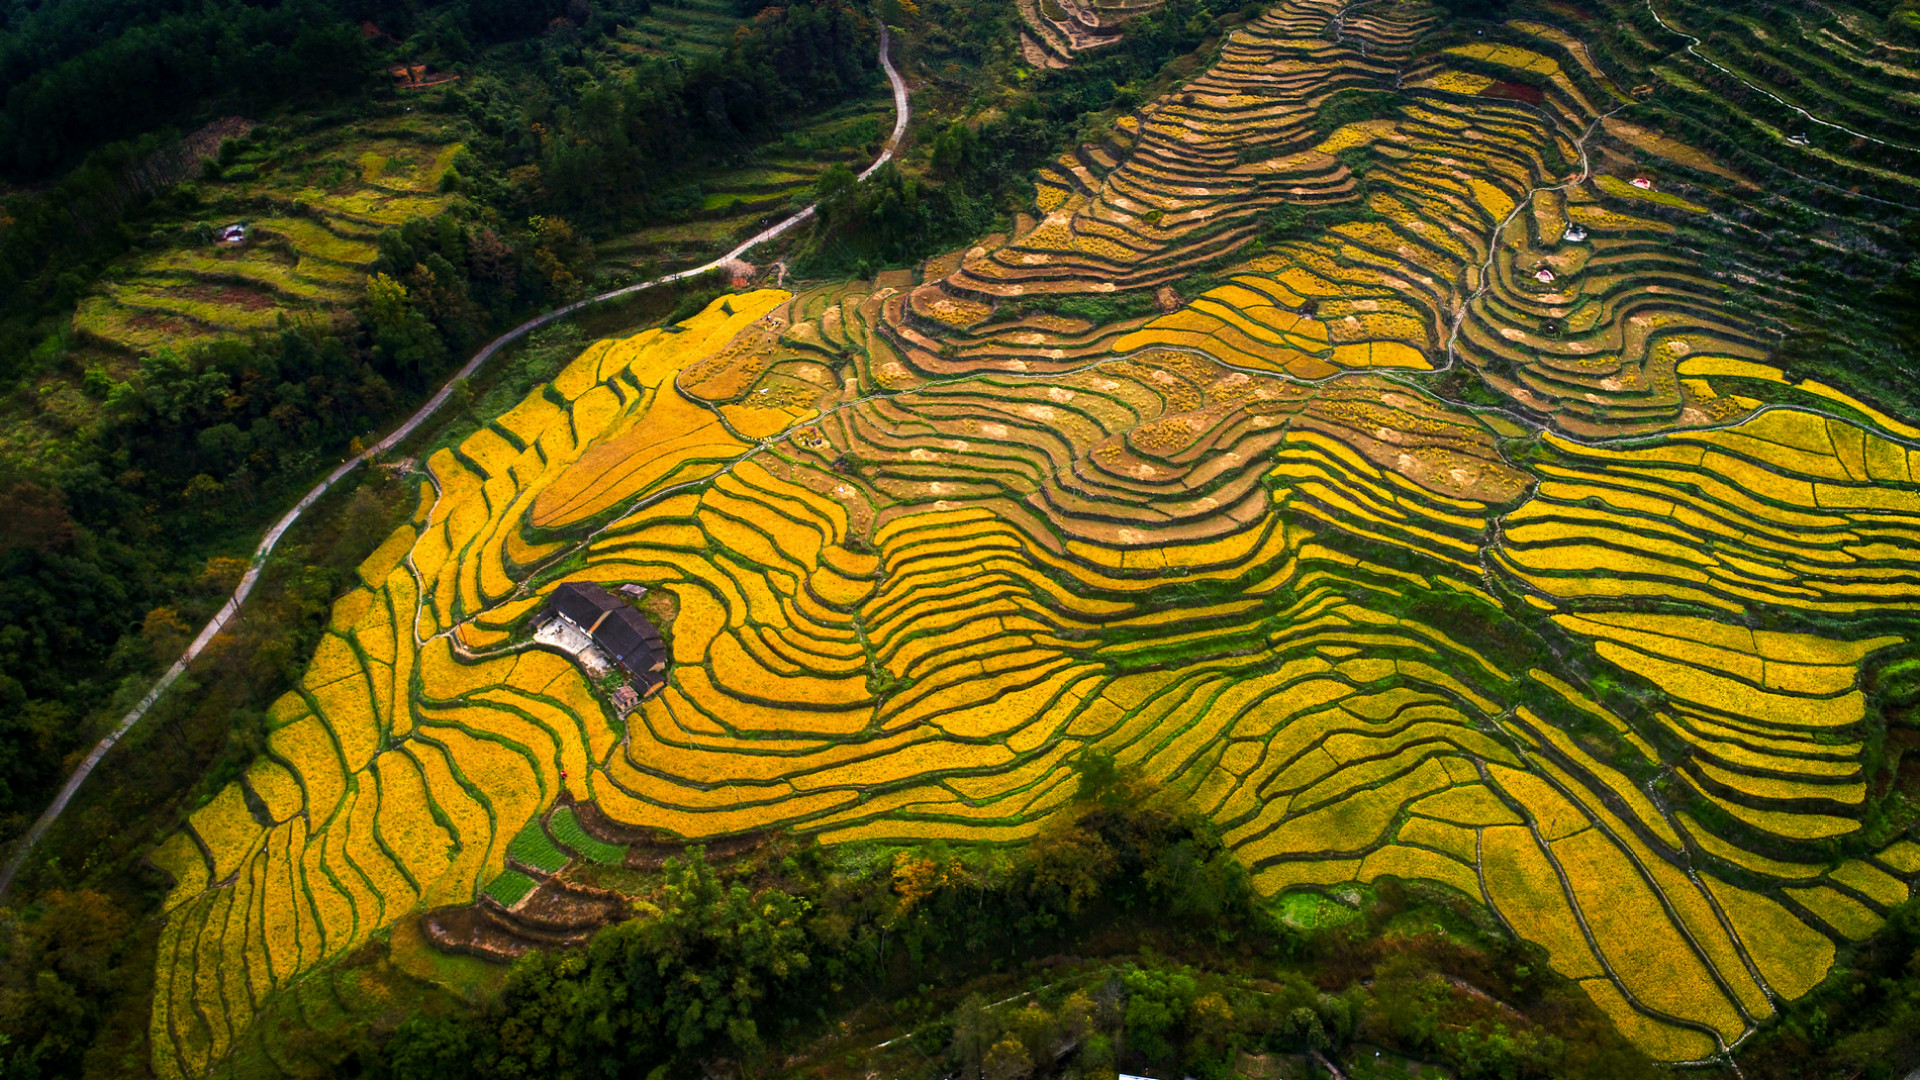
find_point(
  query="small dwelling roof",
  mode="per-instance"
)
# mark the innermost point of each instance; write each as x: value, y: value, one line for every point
x: 621, y: 632
x: 583, y: 602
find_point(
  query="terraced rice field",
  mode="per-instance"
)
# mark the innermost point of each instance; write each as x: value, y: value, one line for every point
x: 313, y: 223
x: 925, y: 546
x: 735, y: 204
x: 1057, y: 30
x: 682, y: 26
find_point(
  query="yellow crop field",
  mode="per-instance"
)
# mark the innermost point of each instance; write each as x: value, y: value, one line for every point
x: 227, y: 828
x: 1875, y: 884
x: 1460, y: 842
x: 1526, y: 890
x: 1415, y: 863
x: 1903, y: 856
x: 1216, y: 536
x: 1648, y: 953
x: 182, y: 860
x: 1469, y: 804
x: 1661, y: 1040
x: 277, y: 789
x: 1851, y: 918
x: 1551, y: 812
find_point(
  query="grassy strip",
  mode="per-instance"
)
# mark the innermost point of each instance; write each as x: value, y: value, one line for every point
x: 533, y: 847
x: 510, y: 887
x: 565, y: 828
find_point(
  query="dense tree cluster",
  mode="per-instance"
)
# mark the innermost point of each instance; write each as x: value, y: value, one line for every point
x: 720, y: 963
x: 610, y: 153
x: 79, y: 73
x: 976, y: 169
x: 200, y: 440
x: 59, y: 966
x: 196, y: 441
x: 1864, y: 1023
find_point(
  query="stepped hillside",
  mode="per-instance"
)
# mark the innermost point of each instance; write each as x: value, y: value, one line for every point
x: 1470, y: 528
x: 310, y: 225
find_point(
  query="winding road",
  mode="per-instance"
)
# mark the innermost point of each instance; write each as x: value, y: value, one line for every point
x: 903, y: 112
x: 1693, y: 50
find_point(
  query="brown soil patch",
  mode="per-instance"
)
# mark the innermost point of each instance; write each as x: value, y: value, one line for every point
x: 231, y: 296
x: 648, y: 848
x: 558, y: 906
x: 556, y: 914
x: 1513, y: 91
x: 147, y: 321
x: 1571, y: 12
x: 467, y: 930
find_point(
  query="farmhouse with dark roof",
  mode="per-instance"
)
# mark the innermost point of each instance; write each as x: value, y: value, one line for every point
x: 617, y: 629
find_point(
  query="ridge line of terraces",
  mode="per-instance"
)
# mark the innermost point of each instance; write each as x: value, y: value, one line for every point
x: 1059, y: 251
x: 1063, y: 490
x: 1064, y: 493
x: 1027, y: 345
x: 1620, y: 368
x: 1081, y: 241
x: 1079, y: 28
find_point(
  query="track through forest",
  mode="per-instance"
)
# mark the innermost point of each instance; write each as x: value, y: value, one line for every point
x: 903, y: 113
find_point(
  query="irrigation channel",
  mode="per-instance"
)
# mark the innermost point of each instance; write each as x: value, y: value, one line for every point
x: 902, y: 113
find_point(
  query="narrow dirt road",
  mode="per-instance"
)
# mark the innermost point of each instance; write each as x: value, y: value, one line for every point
x: 902, y: 114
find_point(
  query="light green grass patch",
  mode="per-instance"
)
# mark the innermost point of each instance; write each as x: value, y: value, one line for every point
x: 532, y: 847
x: 510, y: 887
x: 565, y: 827
x: 1615, y: 186
x: 1305, y: 909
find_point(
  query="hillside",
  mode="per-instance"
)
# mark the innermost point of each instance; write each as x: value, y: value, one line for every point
x: 1355, y: 539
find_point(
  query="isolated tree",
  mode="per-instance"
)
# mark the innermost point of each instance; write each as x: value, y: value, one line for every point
x: 1007, y: 1060
x: 974, y: 1032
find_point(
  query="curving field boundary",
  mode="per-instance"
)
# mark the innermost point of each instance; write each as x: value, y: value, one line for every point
x: 903, y: 112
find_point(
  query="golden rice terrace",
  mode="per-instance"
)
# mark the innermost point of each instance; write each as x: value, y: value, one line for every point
x: 1595, y: 651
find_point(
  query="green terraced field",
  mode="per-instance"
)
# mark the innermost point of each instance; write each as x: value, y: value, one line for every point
x: 681, y: 26
x: 735, y: 204
x: 313, y: 220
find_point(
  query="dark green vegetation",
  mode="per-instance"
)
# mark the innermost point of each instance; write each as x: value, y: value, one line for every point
x: 1865, y: 1023
x: 990, y: 122
x: 77, y: 959
x: 76, y: 1004
x: 1125, y: 937
x: 597, y: 125
x: 114, y: 459
x: 1822, y: 247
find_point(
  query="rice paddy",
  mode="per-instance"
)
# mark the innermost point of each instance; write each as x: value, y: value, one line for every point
x: 925, y: 546
x: 729, y: 205
x: 312, y: 217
